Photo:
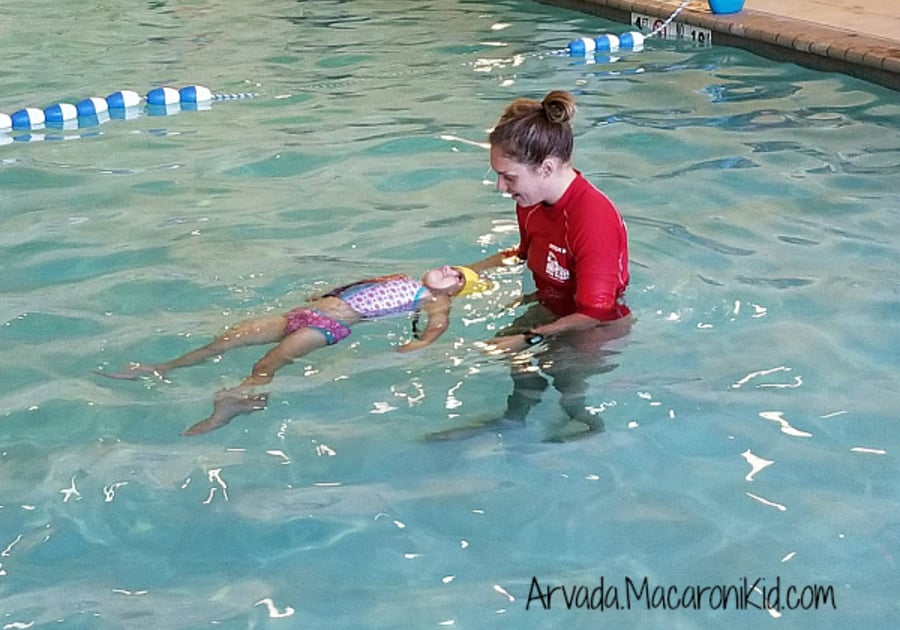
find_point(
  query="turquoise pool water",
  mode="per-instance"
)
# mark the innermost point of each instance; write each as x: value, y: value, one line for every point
x: 750, y: 421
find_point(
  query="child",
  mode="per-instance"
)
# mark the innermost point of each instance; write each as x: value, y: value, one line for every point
x: 322, y: 321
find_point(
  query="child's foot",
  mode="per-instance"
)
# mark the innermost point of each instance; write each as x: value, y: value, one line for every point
x: 133, y: 372
x: 227, y: 406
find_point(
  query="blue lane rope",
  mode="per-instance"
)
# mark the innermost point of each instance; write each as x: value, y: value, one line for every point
x: 121, y: 104
x: 584, y: 46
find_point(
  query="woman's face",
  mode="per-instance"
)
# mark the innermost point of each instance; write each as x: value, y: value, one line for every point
x: 446, y: 279
x: 524, y: 183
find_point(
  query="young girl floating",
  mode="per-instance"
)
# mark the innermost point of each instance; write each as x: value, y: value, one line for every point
x: 322, y: 321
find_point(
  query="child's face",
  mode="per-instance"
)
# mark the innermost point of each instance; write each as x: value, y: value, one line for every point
x: 446, y: 279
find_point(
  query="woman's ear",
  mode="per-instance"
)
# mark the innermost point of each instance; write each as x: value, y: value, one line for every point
x: 548, y: 167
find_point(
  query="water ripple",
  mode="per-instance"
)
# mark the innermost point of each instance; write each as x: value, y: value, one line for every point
x: 684, y: 234
x: 775, y: 283
x: 728, y: 163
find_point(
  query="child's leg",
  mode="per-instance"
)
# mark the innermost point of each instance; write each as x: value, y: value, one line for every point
x: 241, y: 399
x: 249, y: 332
x: 298, y: 343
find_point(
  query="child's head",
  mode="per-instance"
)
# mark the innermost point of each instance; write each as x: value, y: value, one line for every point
x: 453, y: 281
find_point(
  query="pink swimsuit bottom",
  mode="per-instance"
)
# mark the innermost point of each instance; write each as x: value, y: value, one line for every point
x: 332, y: 329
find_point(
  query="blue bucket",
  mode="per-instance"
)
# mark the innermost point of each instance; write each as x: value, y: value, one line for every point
x: 721, y: 7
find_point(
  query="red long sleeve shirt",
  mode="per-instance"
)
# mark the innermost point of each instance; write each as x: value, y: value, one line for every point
x: 577, y: 251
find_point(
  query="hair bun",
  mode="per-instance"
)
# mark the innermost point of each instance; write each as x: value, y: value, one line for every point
x: 559, y: 106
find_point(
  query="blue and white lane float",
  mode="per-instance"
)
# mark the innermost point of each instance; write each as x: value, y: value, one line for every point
x: 162, y: 100
x: 584, y: 46
x: 608, y: 43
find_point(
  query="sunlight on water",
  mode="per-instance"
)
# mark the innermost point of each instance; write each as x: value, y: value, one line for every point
x: 747, y: 418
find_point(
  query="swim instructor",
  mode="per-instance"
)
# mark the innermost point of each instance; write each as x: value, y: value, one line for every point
x: 572, y: 239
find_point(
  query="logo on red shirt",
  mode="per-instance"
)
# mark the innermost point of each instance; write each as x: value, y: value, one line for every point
x: 554, y: 269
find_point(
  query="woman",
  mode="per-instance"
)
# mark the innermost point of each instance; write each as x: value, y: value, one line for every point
x: 574, y: 242
x: 322, y: 321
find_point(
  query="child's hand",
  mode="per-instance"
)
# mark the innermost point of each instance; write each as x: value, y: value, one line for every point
x: 411, y: 346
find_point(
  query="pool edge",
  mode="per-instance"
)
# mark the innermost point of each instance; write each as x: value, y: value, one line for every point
x: 781, y: 38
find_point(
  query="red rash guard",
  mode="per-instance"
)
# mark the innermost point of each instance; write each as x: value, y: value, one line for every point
x: 577, y: 250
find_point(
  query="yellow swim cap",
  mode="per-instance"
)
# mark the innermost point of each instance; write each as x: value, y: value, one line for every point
x: 474, y: 282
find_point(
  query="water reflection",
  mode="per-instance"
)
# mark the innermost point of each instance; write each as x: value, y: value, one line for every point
x: 568, y: 362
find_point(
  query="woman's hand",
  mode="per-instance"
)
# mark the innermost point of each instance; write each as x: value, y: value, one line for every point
x: 505, y: 345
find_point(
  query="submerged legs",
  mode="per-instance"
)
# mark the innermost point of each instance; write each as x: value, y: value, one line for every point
x: 229, y: 403
x: 249, y: 332
x: 239, y: 400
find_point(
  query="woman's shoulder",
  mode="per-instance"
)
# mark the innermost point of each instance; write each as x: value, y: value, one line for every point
x: 586, y: 197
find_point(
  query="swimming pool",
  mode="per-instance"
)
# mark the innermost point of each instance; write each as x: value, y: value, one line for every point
x: 749, y: 421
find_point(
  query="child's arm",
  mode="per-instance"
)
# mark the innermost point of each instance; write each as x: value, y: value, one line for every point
x: 437, y: 309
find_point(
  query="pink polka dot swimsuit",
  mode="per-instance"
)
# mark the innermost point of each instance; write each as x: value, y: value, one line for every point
x: 382, y: 296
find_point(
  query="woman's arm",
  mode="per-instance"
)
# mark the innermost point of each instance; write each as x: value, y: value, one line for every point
x: 514, y: 343
x: 495, y: 260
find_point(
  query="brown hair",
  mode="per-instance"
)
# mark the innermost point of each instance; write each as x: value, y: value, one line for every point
x: 530, y: 131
